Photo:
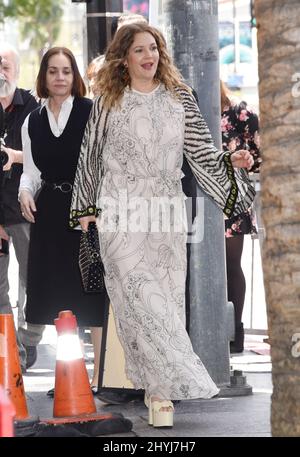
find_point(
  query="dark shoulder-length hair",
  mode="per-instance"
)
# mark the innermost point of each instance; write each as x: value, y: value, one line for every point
x: 78, y: 88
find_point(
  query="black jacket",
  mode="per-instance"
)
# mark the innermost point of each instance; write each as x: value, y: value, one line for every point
x: 1, y: 209
x: 23, y: 103
x: 1, y: 168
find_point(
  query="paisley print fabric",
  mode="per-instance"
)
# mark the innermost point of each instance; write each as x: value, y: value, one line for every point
x: 145, y: 271
x: 129, y: 171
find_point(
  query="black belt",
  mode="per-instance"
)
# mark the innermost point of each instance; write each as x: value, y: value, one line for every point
x: 64, y: 187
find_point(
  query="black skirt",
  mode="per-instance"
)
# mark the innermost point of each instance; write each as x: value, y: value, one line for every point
x: 54, y: 281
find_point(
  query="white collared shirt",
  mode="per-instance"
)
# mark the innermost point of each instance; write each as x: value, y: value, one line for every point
x: 31, y: 177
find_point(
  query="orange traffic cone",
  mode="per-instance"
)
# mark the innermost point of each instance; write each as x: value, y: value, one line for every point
x: 7, y: 414
x: 72, y: 392
x: 74, y: 404
x: 10, y: 370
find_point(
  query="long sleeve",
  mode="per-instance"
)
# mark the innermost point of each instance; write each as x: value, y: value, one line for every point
x: 88, y: 174
x: 31, y: 177
x: 230, y: 188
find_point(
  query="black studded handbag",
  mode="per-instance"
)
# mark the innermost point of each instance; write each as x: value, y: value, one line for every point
x: 90, y: 263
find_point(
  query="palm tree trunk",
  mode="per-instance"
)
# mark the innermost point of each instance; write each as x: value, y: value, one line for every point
x: 278, y: 24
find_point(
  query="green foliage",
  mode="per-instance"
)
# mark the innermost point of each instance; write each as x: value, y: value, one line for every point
x: 39, y: 20
x: 28, y: 8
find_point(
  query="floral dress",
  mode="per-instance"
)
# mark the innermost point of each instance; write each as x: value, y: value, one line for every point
x: 240, y: 130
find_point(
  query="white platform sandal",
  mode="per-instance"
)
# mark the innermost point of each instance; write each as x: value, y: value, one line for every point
x: 159, y: 418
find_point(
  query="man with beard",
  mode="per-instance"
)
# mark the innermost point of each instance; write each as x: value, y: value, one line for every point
x: 17, y: 104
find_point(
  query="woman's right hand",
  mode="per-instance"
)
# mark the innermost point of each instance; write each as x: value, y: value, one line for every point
x: 84, y: 222
x: 27, y: 205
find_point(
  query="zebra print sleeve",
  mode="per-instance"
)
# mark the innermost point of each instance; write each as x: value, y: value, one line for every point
x: 88, y: 173
x: 230, y: 188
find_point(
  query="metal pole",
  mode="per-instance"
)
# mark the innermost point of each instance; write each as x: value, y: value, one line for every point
x: 236, y: 38
x: 191, y: 29
x: 100, y: 14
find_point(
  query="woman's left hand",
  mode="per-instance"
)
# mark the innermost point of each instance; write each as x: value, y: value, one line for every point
x: 242, y: 159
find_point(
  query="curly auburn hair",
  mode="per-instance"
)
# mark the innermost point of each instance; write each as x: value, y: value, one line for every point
x: 112, y: 78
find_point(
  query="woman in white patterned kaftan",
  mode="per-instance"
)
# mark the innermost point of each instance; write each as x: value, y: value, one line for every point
x: 140, y: 126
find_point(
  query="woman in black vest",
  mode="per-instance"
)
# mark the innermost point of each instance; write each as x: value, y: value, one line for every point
x: 52, y: 136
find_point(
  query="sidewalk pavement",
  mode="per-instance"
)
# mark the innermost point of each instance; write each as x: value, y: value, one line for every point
x: 244, y: 416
